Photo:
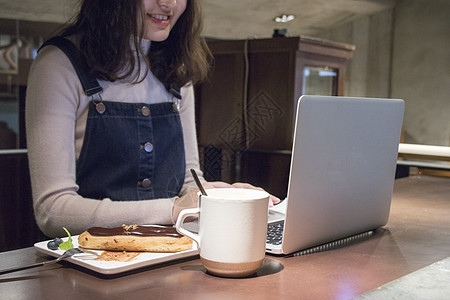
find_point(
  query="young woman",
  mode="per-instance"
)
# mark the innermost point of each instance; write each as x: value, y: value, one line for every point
x: 110, y: 133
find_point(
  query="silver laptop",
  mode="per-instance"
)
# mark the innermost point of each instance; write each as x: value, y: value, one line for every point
x: 342, y: 171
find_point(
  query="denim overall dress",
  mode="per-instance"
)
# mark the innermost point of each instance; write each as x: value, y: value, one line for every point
x: 131, y: 151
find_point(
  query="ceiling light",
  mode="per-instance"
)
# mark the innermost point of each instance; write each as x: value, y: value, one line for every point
x: 284, y: 18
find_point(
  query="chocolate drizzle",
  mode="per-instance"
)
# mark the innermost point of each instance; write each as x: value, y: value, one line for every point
x: 135, y: 230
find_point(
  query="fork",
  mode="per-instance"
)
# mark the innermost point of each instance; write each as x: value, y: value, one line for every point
x: 65, y: 255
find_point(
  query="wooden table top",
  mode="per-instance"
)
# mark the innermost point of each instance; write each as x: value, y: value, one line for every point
x: 416, y: 236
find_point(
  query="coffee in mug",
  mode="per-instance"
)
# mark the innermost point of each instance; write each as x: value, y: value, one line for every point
x: 232, y: 230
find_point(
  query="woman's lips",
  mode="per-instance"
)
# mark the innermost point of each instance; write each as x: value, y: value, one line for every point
x: 163, y: 20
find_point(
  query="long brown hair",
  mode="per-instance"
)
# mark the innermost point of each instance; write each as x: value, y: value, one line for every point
x: 104, y: 30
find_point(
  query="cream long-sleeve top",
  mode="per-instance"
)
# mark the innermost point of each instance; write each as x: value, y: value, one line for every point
x: 56, y: 114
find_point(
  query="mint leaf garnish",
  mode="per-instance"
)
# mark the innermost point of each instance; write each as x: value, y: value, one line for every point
x: 67, y: 244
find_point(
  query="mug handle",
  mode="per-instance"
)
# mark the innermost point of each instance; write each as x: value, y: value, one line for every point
x: 191, y: 212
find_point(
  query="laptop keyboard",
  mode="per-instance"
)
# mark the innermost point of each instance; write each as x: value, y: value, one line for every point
x: 275, y: 233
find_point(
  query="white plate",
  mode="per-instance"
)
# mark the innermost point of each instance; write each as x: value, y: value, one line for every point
x: 144, y: 259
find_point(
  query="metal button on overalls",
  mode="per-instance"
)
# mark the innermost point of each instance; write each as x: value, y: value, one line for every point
x: 145, y: 111
x: 148, y: 147
x: 146, y: 183
x: 100, y: 107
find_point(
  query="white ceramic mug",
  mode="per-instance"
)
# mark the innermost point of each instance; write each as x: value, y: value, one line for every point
x: 232, y: 230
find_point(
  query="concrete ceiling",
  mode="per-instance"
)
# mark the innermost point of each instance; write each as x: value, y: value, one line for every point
x: 230, y: 19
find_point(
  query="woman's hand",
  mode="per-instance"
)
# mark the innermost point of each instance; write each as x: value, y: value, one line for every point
x: 190, y: 199
x: 272, y: 199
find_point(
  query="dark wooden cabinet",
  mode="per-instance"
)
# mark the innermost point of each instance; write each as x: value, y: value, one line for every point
x: 246, y: 108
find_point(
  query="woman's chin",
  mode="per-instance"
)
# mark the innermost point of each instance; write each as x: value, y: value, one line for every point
x: 157, y: 36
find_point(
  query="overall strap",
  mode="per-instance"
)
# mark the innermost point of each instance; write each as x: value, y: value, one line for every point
x: 89, y: 82
x: 175, y: 91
